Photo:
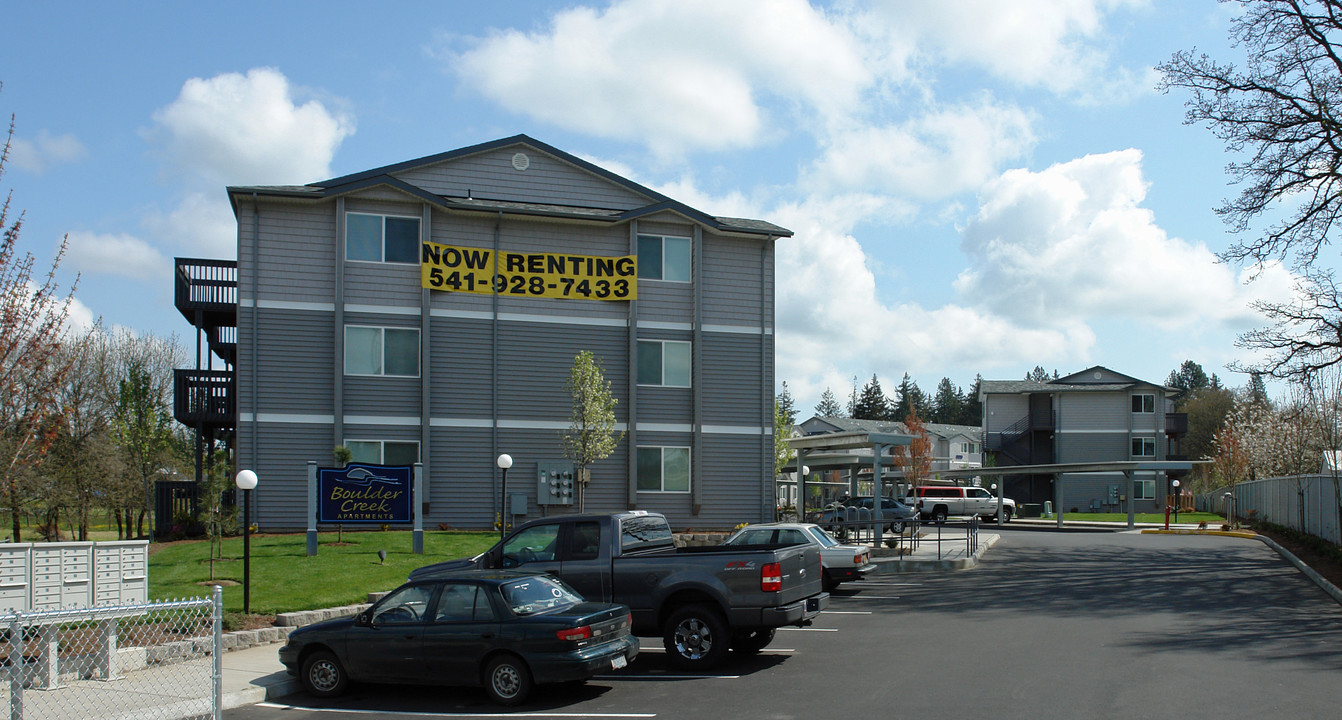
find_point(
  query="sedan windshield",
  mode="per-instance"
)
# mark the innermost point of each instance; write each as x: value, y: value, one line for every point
x: 528, y: 596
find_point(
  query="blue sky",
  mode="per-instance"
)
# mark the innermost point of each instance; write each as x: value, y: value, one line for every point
x: 976, y: 187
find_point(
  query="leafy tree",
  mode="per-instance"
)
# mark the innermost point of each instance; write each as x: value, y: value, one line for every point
x: 828, y: 406
x: 1207, y: 410
x: 915, y: 459
x: 871, y: 404
x: 782, y: 431
x: 33, y: 319
x: 142, y: 429
x: 591, y: 436
x: 1276, y: 113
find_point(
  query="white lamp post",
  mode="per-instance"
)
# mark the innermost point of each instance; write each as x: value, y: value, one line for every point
x: 246, y: 482
x: 505, y: 461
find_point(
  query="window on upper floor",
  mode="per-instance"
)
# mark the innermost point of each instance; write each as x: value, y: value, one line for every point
x: 1143, y: 447
x: 664, y: 257
x: 1143, y: 403
x: 381, y: 351
x: 664, y: 469
x: 383, y: 452
x: 381, y: 238
x: 664, y: 362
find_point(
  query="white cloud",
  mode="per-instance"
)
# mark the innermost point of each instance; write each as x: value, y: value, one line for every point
x: 935, y: 155
x: 1054, y: 44
x: 45, y: 151
x: 119, y: 254
x: 675, y: 74
x: 202, y: 225
x: 1072, y: 243
x: 241, y: 129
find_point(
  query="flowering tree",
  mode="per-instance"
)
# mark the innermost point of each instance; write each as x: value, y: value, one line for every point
x: 915, y: 459
x: 33, y: 319
x: 591, y: 435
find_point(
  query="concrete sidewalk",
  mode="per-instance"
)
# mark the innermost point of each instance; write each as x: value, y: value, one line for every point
x: 255, y: 674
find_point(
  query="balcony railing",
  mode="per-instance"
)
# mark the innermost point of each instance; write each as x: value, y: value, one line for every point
x: 205, y: 398
x: 208, y: 286
x: 1176, y: 424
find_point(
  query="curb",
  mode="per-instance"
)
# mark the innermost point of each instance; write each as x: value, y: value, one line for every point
x: 1309, y: 572
x: 895, y: 566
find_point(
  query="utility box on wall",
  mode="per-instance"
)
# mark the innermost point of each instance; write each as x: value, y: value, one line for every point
x: 555, y: 480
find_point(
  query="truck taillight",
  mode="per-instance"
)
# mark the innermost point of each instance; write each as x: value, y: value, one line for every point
x: 771, y: 577
x: 575, y: 634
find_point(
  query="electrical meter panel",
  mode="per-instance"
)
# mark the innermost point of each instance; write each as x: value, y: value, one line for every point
x: 556, y: 482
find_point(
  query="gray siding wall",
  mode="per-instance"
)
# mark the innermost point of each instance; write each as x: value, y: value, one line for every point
x: 1092, y: 447
x: 491, y: 175
x: 537, y: 340
x: 1094, y: 411
x: 1003, y: 410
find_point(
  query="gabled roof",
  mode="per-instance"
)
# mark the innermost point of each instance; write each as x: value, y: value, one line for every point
x: 941, y: 430
x: 1084, y: 381
x: 385, y: 175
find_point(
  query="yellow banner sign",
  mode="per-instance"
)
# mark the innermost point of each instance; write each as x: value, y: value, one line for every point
x: 548, y: 275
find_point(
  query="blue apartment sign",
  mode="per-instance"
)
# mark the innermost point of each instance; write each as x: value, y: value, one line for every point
x: 364, y: 493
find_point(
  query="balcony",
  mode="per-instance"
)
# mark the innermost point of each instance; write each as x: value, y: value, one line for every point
x: 205, y: 398
x: 1176, y: 424
x: 206, y: 292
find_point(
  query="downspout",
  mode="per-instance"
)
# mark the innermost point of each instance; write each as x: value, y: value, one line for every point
x: 494, y: 367
x: 425, y: 385
x: 696, y: 377
x: 256, y: 310
x: 631, y: 362
x: 338, y: 319
x: 769, y: 497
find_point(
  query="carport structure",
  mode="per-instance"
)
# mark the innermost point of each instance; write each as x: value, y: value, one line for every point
x: 835, y: 451
x: 1127, y: 467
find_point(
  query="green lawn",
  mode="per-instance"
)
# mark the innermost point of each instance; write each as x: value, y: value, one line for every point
x: 284, y: 578
x: 1212, y: 519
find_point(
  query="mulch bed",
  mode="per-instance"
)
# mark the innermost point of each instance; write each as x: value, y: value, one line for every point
x: 1325, y: 565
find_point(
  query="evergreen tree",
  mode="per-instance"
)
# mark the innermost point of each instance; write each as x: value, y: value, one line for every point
x: 1257, y: 390
x: 785, y: 405
x: 1188, y: 378
x: 828, y: 406
x: 971, y: 410
x: 852, y: 400
x: 946, y: 403
x: 909, y: 397
x: 1039, y: 374
x: 871, y: 404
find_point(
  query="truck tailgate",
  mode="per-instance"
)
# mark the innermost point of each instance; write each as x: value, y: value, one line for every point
x: 801, y: 572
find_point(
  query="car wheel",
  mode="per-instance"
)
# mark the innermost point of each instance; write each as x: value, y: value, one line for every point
x: 750, y: 642
x: 1006, y: 515
x: 323, y: 675
x: 939, y: 515
x: 897, y: 527
x: 827, y: 581
x: 507, y: 680
x: 696, y: 637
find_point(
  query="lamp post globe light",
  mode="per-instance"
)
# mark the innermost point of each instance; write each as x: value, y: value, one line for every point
x: 246, y: 482
x: 505, y: 461
x: 1176, y: 500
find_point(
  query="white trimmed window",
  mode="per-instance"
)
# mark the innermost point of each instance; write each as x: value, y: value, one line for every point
x: 381, y: 238
x: 383, y: 452
x: 1143, y: 403
x: 1144, y: 447
x: 664, y: 257
x: 664, y: 362
x: 663, y: 469
x: 381, y: 351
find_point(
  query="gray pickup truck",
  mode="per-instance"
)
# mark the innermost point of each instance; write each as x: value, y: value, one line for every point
x: 700, y: 600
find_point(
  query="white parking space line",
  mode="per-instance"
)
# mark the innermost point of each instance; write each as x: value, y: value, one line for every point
x: 876, y: 583
x: 766, y: 651
x: 875, y: 597
x: 460, y: 715
x: 809, y: 629
x: 846, y: 612
x: 623, y: 678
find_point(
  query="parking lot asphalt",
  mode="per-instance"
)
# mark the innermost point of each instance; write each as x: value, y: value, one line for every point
x: 1053, y: 625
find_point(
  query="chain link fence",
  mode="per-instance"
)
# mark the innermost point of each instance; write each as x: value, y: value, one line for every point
x: 153, y: 661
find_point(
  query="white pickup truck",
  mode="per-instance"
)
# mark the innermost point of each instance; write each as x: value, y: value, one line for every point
x: 937, y: 502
